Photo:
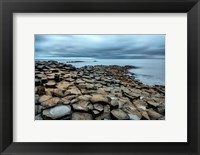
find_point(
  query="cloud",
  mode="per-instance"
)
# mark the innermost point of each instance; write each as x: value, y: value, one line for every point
x: 100, y: 46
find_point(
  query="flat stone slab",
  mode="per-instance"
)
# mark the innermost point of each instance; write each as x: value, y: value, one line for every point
x: 57, y: 112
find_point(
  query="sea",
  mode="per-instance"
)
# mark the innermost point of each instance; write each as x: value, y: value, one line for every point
x: 150, y: 71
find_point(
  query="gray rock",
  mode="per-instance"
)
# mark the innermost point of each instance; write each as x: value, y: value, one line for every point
x: 57, y: 112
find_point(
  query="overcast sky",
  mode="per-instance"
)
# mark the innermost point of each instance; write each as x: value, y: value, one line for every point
x: 100, y: 46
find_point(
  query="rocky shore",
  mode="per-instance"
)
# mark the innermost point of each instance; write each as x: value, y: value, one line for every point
x: 64, y: 92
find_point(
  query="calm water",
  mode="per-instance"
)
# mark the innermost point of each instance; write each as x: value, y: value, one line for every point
x: 151, y: 71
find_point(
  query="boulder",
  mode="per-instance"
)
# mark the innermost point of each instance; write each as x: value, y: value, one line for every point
x: 84, y: 97
x: 99, y: 98
x: 81, y: 116
x: 73, y: 91
x: 119, y: 114
x: 44, y: 98
x: 63, y: 85
x: 58, y: 92
x: 51, y: 102
x: 57, y: 112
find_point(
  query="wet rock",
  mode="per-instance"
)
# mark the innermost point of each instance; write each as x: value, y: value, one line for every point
x: 153, y: 114
x: 51, y: 84
x: 119, y: 114
x: 98, y: 107
x: 99, y: 98
x: 81, y: 116
x: 57, y: 112
x: 63, y: 85
x: 51, y: 102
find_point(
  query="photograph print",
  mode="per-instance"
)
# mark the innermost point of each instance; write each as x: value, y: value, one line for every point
x: 99, y: 77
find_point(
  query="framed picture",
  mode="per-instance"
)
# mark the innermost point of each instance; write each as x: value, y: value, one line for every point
x: 99, y: 77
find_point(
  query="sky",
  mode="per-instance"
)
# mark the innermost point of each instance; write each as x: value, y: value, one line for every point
x: 100, y: 46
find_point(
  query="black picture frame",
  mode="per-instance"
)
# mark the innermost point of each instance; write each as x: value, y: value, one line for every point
x: 8, y: 7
